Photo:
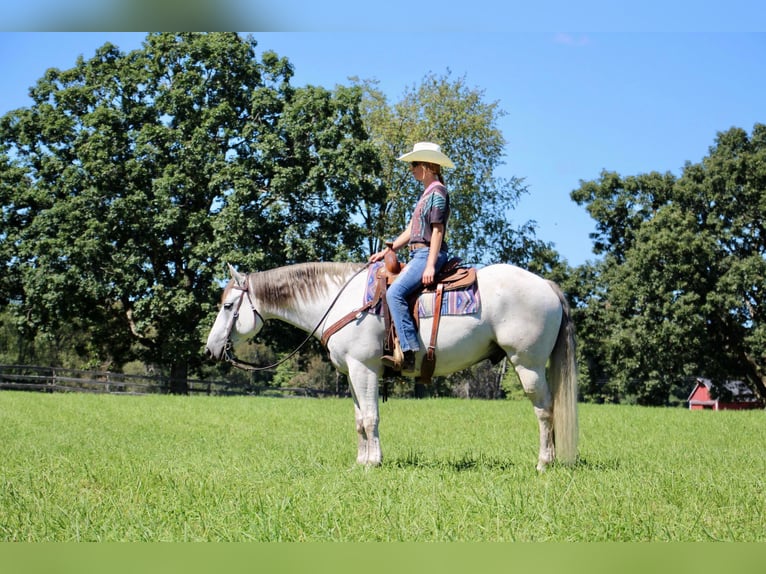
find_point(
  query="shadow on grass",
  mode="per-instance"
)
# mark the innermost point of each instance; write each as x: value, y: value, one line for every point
x: 472, y: 461
x: 594, y: 464
x: 465, y: 462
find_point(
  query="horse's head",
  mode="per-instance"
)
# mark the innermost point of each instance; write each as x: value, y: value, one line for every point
x: 236, y: 317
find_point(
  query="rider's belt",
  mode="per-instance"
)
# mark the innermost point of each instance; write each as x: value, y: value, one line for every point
x: 414, y: 246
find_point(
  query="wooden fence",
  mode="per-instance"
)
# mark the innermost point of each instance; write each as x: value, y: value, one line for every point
x: 58, y: 379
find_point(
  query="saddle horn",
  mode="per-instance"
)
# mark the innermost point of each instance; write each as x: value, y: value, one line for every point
x: 391, y: 260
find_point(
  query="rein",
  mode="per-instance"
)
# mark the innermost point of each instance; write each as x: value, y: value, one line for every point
x: 246, y: 366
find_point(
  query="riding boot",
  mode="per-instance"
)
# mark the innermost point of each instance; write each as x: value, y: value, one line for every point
x: 402, y: 364
x: 408, y: 363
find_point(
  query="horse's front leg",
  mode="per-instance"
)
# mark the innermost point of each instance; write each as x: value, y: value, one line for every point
x: 364, y: 388
x: 361, y: 449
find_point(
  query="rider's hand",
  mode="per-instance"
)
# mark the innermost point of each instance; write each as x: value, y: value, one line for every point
x: 378, y: 256
x: 429, y: 274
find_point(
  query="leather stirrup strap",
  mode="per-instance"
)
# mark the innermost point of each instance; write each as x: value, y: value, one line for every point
x: 429, y: 361
x: 388, y: 339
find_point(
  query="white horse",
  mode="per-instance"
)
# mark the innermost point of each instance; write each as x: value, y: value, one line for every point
x: 524, y: 315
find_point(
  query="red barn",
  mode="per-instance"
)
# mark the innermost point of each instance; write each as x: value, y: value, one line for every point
x: 734, y: 395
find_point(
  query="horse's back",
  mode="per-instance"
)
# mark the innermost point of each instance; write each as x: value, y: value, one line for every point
x: 516, y: 285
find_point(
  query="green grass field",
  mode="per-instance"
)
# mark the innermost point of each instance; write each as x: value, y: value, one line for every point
x: 77, y: 467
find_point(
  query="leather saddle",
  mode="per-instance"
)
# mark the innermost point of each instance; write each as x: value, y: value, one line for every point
x: 452, y: 276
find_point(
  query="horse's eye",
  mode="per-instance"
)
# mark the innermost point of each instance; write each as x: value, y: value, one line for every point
x: 228, y: 306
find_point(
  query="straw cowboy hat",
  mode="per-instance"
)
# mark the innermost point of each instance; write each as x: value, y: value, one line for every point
x: 427, y: 152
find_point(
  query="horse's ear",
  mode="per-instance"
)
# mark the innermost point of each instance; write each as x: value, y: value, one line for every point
x: 238, y: 277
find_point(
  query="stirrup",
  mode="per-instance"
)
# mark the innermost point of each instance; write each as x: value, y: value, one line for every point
x: 396, y: 359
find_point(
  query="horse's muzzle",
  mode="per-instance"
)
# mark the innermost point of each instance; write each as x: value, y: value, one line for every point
x: 223, y: 355
x: 211, y: 355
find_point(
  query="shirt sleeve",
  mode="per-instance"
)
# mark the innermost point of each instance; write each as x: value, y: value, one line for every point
x: 438, y: 207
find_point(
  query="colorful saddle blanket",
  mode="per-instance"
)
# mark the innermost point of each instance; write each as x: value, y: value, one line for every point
x: 457, y: 302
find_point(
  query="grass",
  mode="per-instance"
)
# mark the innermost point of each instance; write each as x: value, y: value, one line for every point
x: 77, y: 467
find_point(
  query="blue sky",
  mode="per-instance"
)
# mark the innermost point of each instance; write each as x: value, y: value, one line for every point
x: 575, y: 102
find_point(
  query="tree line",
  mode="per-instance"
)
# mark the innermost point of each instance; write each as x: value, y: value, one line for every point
x: 133, y: 178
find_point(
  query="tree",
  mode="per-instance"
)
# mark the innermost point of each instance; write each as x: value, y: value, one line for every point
x: 684, y: 269
x: 133, y: 177
x: 456, y: 116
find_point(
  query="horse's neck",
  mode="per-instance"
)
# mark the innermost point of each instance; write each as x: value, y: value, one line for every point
x: 304, y: 315
x: 305, y: 311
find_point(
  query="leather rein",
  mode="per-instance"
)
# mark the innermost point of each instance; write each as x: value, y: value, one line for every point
x: 245, y: 365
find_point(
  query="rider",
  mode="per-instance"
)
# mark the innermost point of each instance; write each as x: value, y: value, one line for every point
x: 425, y: 238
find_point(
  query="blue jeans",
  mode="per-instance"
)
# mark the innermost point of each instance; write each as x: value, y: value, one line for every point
x: 408, y: 281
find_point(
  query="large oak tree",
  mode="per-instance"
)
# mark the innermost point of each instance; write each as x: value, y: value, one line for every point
x: 133, y: 176
x: 682, y: 286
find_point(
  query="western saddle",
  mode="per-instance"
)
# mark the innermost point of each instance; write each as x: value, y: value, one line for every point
x: 452, y: 276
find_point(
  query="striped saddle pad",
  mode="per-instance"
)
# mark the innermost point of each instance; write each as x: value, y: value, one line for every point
x: 458, y: 302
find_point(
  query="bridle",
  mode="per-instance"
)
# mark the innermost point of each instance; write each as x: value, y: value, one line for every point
x: 228, y: 353
x: 245, y: 290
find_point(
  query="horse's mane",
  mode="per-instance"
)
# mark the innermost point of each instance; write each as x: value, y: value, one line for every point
x: 284, y: 285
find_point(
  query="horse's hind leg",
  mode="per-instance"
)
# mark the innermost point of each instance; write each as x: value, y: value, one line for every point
x: 537, y: 390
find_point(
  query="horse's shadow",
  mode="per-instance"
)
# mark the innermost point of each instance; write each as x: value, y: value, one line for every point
x: 465, y: 462
x: 470, y: 461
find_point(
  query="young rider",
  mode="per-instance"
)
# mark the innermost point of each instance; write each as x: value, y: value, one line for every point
x: 425, y: 239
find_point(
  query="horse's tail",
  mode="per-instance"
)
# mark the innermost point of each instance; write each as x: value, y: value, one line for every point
x: 563, y: 381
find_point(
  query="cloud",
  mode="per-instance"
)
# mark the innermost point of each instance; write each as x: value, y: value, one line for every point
x: 577, y: 40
